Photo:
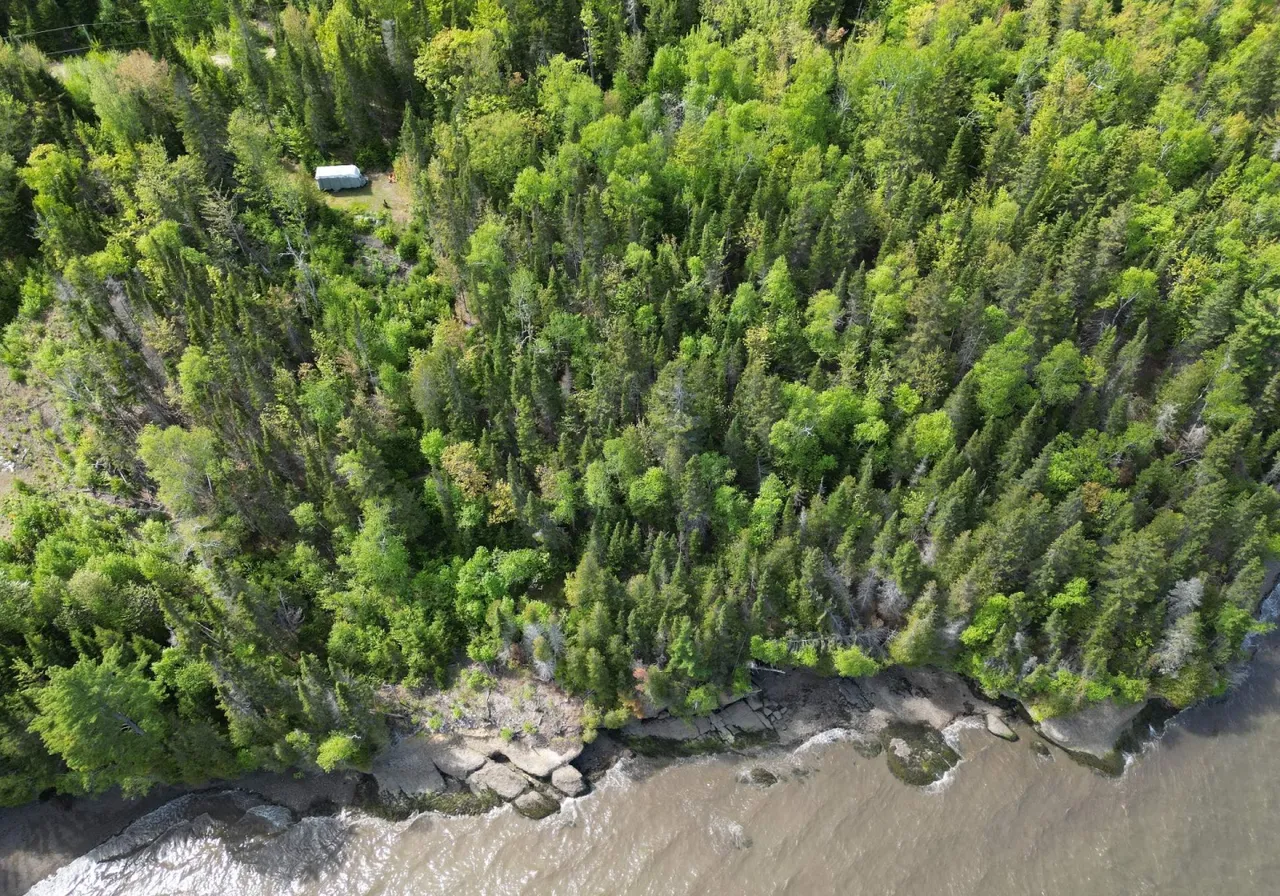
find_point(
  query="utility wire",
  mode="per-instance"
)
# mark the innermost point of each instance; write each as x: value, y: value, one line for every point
x: 114, y: 46
x: 155, y: 21
x: 72, y: 27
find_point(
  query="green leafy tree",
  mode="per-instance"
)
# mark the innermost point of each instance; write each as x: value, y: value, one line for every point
x: 1001, y: 374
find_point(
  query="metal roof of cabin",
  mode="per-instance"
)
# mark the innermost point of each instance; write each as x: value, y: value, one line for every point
x: 337, y: 171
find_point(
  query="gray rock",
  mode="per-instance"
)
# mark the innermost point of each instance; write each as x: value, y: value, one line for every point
x: 270, y: 819
x: 740, y: 718
x: 187, y: 810
x: 599, y: 756
x: 539, y: 761
x: 1000, y: 728
x: 916, y: 753
x: 759, y: 777
x: 670, y: 728
x: 1094, y: 731
x: 405, y: 769
x: 453, y: 757
x: 501, y: 779
x: 921, y: 696
x: 304, y: 794
x: 568, y: 780
x: 536, y: 805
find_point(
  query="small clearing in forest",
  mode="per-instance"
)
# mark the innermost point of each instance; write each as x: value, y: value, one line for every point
x: 380, y: 195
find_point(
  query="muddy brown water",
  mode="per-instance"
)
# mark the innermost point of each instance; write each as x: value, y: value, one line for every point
x: 1196, y: 812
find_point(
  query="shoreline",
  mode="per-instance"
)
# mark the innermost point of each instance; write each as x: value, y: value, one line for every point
x: 899, y: 714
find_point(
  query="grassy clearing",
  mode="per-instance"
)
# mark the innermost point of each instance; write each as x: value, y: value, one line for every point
x: 379, y: 196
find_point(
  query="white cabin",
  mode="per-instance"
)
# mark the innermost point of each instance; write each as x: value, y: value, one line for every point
x: 340, y: 177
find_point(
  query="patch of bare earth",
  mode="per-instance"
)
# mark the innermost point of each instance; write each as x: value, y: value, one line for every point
x: 512, y: 706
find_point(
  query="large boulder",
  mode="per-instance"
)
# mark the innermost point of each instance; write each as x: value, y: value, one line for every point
x: 919, y: 696
x: 310, y: 794
x: 405, y: 770
x: 671, y: 729
x: 501, y: 779
x: 739, y: 718
x: 917, y: 754
x: 536, y: 805
x: 674, y: 737
x: 568, y: 780
x: 539, y: 761
x: 997, y: 726
x: 1094, y: 733
x: 453, y: 757
x: 266, y: 819
x: 758, y: 777
x: 599, y: 756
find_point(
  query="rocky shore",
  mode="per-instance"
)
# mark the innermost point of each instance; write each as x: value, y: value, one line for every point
x: 480, y: 763
x: 900, y: 713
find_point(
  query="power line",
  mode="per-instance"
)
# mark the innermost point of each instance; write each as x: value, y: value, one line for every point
x: 104, y: 24
x: 72, y: 27
x: 113, y: 46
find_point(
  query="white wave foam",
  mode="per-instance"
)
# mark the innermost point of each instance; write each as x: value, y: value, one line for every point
x: 569, y: 816
x: 942, y: 784
x: 951, y: 734
x: 826, y: 738
x: 618, y: 775
x: 729, y: 834
x: 1149, y: 745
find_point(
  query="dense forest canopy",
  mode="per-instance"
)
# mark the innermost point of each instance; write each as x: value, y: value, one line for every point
x: 815, y: 334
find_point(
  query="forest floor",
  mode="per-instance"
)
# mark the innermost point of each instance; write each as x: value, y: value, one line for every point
x: 29, y: 452
x: 25, y: 453
x: 380, y: 195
